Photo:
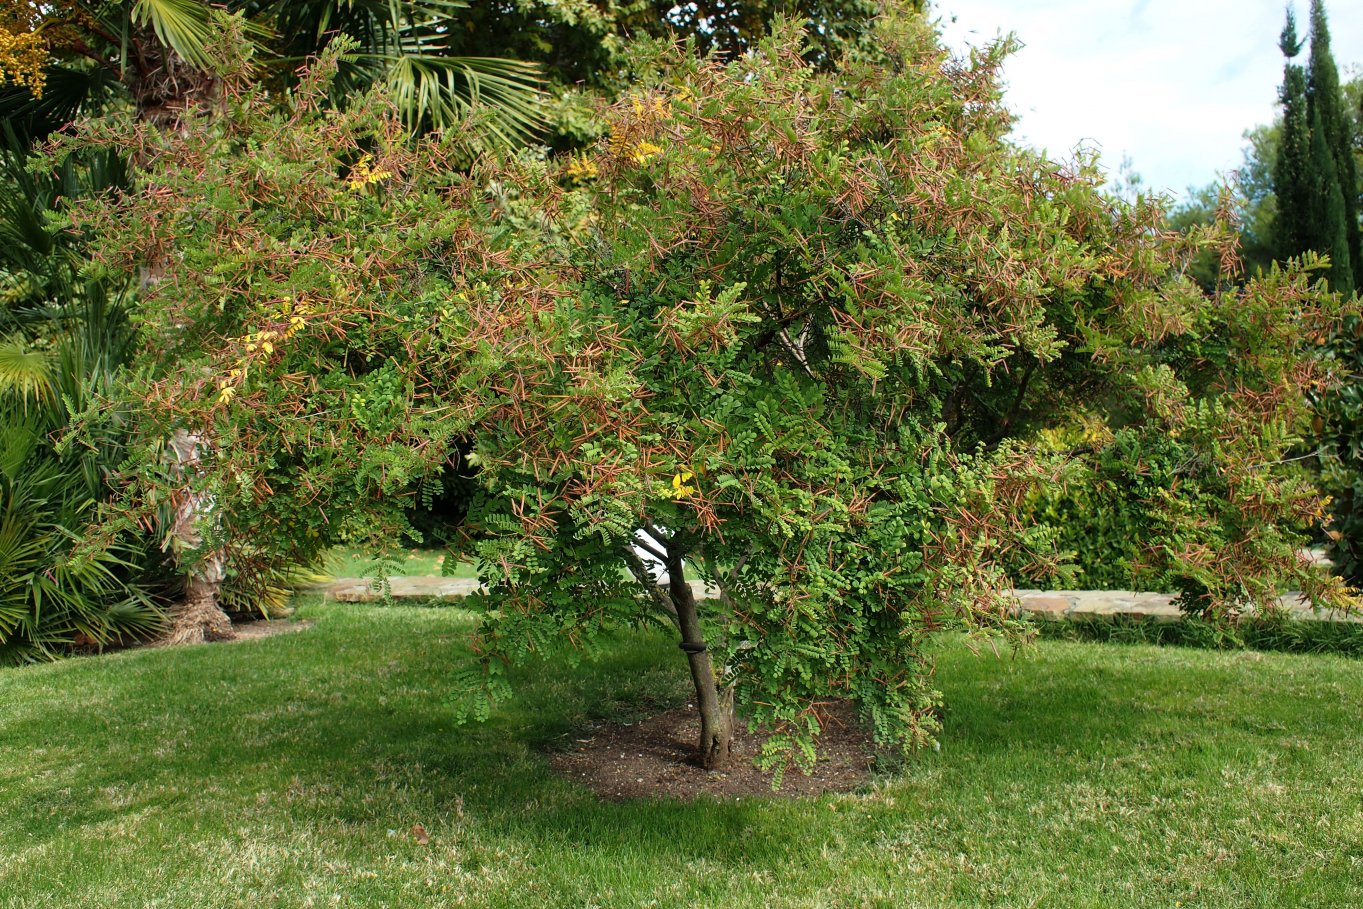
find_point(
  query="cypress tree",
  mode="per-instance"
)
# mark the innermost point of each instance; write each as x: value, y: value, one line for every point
x: 1314, y: 177
x: 1327, y: 230
x: 1291, y: 228
x: 1325, y: 100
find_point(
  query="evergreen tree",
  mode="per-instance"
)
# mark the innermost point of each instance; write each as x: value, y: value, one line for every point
x: 1328, y: 224
x: 1318, y: 211
x: 1325, y: 99
x: 1291, y: 167
x: 1314, y: 174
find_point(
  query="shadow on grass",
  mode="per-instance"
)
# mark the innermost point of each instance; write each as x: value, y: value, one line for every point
x: 351, y: 723
x: 337, y: 720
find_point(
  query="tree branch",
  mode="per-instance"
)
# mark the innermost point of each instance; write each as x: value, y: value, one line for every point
x: 651, y: 549
x: 640, y: 571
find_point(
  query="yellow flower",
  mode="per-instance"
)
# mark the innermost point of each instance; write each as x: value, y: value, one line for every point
x: 23, y: 59
x: 618, y: 142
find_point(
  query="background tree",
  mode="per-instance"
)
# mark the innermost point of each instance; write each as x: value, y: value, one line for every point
x: 153, y: 58
x: 1314, y: 177
x: 1337, y: 136
x: 1294, y: 226
x: 74, y: 57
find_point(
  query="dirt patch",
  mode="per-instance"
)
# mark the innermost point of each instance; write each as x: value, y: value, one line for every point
x: 252, y: 631
x: 655, y: 758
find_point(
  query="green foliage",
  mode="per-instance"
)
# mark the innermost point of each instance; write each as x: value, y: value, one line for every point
x: 1341, y: 431
x: 1267, y: 633
x: 801, y: 327
x: 1335, y: 130
x: 53, y: 593
x: 1095, y: 531
x: 63, y: 430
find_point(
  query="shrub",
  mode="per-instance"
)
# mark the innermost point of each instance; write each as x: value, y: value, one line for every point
x: 792, y: 331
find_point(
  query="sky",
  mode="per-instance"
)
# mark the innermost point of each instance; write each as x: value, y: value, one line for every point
x: 1170, y: 84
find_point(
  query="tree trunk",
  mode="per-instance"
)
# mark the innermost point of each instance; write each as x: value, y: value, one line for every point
x: 165, y: 89
x: 198, y: 618
x: 716, y: 708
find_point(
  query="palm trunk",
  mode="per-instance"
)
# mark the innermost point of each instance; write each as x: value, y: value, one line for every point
x: 198, y: 617
x: 165, y: 89
x: 716, y: 708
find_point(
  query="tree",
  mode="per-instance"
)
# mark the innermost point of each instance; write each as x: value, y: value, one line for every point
x: 1328, y: 228
x: 791, y: 331
x: 1291, y: 181
x: 70, y: 57
x: 1337, y: 138
x: 1314, y: 176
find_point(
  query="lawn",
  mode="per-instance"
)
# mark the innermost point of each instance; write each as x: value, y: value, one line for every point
x: 289, y: 771
x: 344, y: 562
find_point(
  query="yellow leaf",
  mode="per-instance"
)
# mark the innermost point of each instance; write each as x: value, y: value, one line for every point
x: 680, y: 488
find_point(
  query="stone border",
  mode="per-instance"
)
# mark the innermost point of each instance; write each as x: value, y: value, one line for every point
x: 1057, y: 604
x: 1063, y: 604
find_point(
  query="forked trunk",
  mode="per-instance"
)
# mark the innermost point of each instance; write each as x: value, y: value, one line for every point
x: 716, y: 707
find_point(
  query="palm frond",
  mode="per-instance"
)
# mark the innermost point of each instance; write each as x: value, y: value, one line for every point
x: 185, y: 26
x: 446, y: 91
x: 24, y: 372
x: 68, y: 92
x: 188, y: 28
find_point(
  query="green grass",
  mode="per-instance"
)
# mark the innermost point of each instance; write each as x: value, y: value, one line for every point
x: 287, y: 771
x: 343, y: 562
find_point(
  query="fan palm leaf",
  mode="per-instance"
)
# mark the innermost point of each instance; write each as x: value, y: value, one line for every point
x: 446, y: 91
x: 402, y: 47
x: 24, y: 372
x: 187, y: 27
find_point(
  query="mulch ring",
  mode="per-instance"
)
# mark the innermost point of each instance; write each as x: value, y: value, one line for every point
x: 656, y: 759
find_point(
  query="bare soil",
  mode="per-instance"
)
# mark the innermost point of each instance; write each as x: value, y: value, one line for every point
x: 265, y: 628
x: 656, y: 759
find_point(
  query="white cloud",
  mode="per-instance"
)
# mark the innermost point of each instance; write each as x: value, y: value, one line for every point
x: 1172, y: 84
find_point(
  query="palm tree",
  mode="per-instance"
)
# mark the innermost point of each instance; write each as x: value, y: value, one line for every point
x: 63, y: 339
x: 159, y: 55
x: 159, y: 58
